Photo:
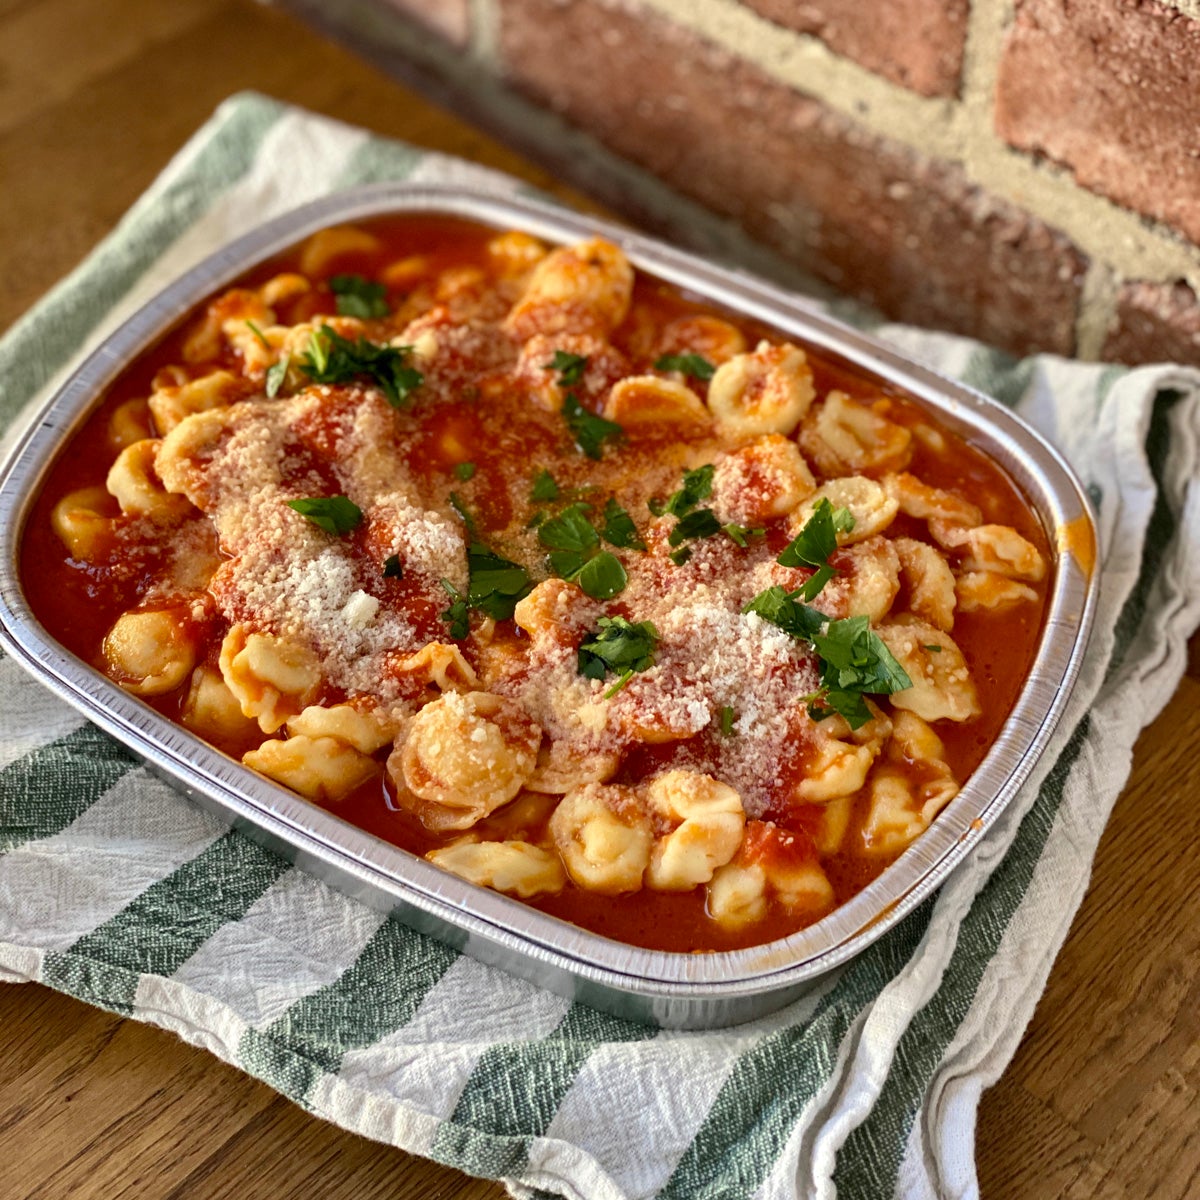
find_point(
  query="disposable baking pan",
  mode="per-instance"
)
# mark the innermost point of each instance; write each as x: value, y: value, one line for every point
x: 671, y: 990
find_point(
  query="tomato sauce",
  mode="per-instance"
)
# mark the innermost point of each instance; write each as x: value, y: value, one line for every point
x: 78, y: 601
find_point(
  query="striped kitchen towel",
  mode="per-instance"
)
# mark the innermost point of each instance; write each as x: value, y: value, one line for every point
x: 114, y: 889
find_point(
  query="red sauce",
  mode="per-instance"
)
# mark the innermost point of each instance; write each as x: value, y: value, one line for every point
x: 78, y: 602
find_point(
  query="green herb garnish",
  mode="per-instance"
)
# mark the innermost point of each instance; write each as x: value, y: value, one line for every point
x: 331, y: 358
x: 740, y: 535
x: 619, y: 529
x: 697, y: 486
x: 782, y: 608
x: 690, y: 364
x: 575, y: 553
x: 570, y: 367
x: 727, y: 716
x: 359, y: 297
x: 699, y: 524
x: 680, y: 556
x: 275, y: 377
x: 813, y: 545
x: 456, y: 616
x: 602, y: 577
x: 619, y: 647
x: 464, y: 470
x: 544, y: 488
x: 494, y: 584
x: 258, y: 333
x: 855, y: 662
x: 589, y: 431
x: 333, y: 514
x: 392, y: 568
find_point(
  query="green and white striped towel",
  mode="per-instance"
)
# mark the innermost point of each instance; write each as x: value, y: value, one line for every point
x: 116, y: 890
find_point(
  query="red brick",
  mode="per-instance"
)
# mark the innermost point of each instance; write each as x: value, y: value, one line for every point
x: 1156, y: 322
x: 1111, y: 88
x: 915, y: 43
x: 873, y: 218
x: 449, y: 19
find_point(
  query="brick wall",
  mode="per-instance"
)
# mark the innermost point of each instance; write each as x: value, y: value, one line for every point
x: 1026, y: 171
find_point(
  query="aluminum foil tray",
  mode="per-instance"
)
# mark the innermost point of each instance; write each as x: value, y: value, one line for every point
x: 671, y: 990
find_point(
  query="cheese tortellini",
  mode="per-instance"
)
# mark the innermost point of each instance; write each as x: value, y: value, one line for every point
x: 766, y: 391
x: 604, y: 836
x: 462, y: 756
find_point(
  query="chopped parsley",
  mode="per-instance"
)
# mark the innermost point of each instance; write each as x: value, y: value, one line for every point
x: 782, y: 608
x: 494, y: 584
x: 697, y: 486
x: 701, y: 523
x: 570, y: 368
x: 740, y: 535
x: 544, y: 488
x: 680, y: 556
x: 331, y: 358
x: 932, y: 647
x: 464, y: 470
x: 333, y: 514
x: 690, y: 521
x: 617, y: 647
x: 727, y: 718
x: 456, y: 616
x: 694, y: 365
x: 602, y: 577
x: 619, y: 529
x: 359, y: 297
x: 589, y: 431
x: 258, y: 333
x: 275, y: 377
x: 855, y: 662
x: 813, y: 545
x: 392, y: 568
x: 575, y: 553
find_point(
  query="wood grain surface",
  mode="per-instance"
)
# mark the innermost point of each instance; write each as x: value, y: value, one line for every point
x: 1101, y: 1100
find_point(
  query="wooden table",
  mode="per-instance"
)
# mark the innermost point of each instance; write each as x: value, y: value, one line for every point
x: 1101, y: 1101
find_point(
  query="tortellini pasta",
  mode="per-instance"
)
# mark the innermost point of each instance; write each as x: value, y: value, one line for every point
x: 762, y: 480
x: 942, y: 687
x: 841, y: 757
x: 648, y: 401
x: 772, y: 865
x: 576, y: 289
x: 134, y: 481
x: 462, y: 756
x: 705, y: 819
x: 844, y: 437
x: 81, y: 521
x: 518, y: 868
x: 150, y: 652
x: 321, y: 768
x: 604, y: 836
x: 273, y: 678
x: 766, y: 391
x: 872, y: 508
x: 902, y: 805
